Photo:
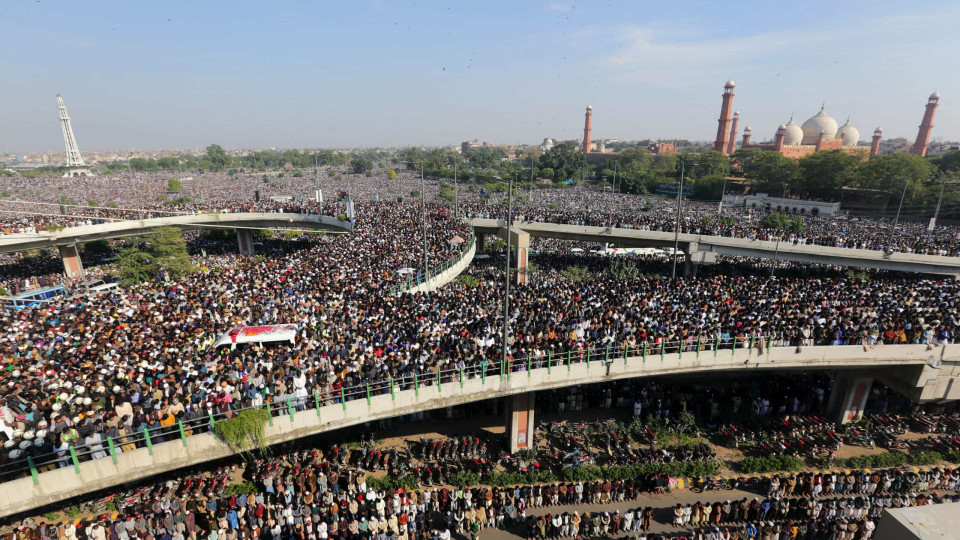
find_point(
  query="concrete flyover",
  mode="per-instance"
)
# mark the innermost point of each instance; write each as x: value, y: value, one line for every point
x: 244, y: 222
x: 932, y: 372
x: 704, y: 249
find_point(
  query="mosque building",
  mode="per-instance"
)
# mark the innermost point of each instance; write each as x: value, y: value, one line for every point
x: 819, y: 132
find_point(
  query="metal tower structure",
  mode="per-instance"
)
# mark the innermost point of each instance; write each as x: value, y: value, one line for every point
x: 75, y: 164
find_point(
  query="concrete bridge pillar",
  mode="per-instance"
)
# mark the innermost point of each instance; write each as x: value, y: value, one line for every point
x: 520, y: 244
x: 245, y: 241
x: 848, y: 397
x: 481, y: 243
x: 72, y: 265
x: 520, y: 427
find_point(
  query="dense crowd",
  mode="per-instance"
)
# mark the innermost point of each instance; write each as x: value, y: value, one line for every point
x: 138, y: 358
x: 311, y: 495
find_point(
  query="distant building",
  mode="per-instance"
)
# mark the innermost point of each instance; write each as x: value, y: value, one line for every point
x: 762, y: 201
x: 661, y: 147
x: 467, y: 145
x: 547, y: 144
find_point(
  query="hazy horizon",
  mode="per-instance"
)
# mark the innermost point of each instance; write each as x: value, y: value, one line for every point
x: 180, y: 75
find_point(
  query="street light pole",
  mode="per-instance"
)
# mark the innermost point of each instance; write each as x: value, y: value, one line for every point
x: 723, y: 190
x: 676, y: 231
x: 896, y: 220
x: 456, y: 190
x: 423, y: 203
x: 506, y: 283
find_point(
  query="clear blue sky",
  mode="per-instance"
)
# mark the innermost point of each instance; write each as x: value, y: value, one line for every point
x: 183, y: 74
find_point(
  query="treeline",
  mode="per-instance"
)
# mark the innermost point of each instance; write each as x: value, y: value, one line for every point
x: 835, y: 176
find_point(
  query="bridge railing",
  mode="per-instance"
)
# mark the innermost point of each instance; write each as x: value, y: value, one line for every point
x: 418, y: 279
x: 30, y: 461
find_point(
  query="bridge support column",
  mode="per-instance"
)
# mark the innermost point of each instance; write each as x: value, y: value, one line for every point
x: 520, y: 427
x: 245, y: 241
x: 481, y: 243
x: 848, y: 397
x: 72, y: 265
x: 520, y: 244
x: 522, y: 256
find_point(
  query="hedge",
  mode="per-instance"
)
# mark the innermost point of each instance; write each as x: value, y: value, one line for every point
x: 770, y: 464
x: 389, y: 483
x: 625, y: 472
x: 501, y: 479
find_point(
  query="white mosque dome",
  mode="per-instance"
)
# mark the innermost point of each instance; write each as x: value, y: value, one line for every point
x: 730, y: 84
x: 935, y: 95
x: 821, y: 122
x: 792, y: 133
x: 850, y: 134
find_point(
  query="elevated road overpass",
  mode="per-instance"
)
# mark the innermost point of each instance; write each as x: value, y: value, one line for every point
x: 704, y: 249
x: 66, y: 240
x: 924, y: 373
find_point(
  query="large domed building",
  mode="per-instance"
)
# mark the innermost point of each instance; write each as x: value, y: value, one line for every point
x: 820, y: 132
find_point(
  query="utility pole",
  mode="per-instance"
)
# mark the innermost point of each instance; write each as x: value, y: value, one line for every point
x: 720, y: 206
x: 676, y: 231
x: 615, y: 186
x: 506, y: 283
x: 456, y: 190
x: 893, y: 230
x: 423, y: 202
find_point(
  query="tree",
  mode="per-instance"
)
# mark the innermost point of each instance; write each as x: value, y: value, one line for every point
x: 360, y: 165
x: 710, y: 163
x: 771, y: 172
x: 708, y: 188
x: 890, y: 172
x: 781, y: 222
x: 134, y: 266
x: 169, y: 253
x: 950, y: 162
x: 174, y: 185
x: 823, y: 174
x: 391, y: 174
x: 218, y: 156
x: 564, y: 159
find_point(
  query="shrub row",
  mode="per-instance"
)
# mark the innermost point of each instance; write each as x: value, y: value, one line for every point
x: 625, y: 472
x: 501, y: 479
x: 389, y: 483
x: 764, y: 464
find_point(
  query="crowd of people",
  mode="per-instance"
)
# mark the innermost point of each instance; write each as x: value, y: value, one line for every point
x: 138, y: 358
x: 310, y: 494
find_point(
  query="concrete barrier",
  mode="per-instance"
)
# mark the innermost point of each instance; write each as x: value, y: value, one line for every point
x: 729, y: 246
x: 22, y: 495
x: 137, y: 227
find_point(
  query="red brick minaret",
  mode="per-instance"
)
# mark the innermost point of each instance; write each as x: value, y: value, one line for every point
x: 720, y: 145
x: 732, y: 143
x: 923, y: 136
x: 778, y: 138
x: 587, y: 127
x: 875, y: 144
x: 747, y: 132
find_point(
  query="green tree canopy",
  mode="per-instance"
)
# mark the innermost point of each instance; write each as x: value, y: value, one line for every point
x: 890, y: 172
x: 217, y: 156
x: 360, y: 164
x: 823, y: 174
x: 771, y: 172
x: 565, y: 160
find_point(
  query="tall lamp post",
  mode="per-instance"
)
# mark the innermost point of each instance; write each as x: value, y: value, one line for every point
x: 423, y: 204
x: 676, y: 230
x: 506, y: 281
x: 896, y: 220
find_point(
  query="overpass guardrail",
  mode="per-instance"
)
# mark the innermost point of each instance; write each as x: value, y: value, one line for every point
x: 27, y: 460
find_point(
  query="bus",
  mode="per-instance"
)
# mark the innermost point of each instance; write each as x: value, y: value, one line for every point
x: 34, y: 298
